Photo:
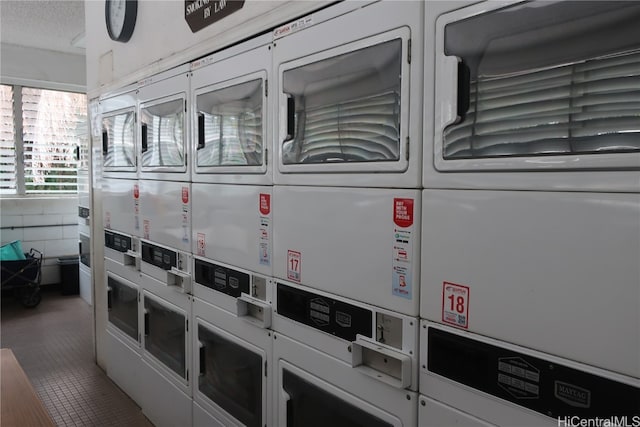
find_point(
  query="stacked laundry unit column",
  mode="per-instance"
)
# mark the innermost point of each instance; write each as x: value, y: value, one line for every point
x: 232, y: 229
x: 165, y: 246
x: 121, y: 203
x: 530, y: 248
x: 347, y: 216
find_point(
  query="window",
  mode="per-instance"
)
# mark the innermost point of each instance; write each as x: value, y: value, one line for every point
x: 43, y: 158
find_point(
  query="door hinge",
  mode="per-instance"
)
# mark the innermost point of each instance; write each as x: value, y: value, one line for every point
x: 409, y: 51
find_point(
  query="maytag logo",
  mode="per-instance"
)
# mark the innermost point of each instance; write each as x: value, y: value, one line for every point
x: 572, y: 395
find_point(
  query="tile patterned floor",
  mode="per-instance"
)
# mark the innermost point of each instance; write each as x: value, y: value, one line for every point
x: 53, y: 344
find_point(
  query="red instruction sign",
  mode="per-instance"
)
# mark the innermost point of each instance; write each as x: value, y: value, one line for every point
x: 136, y: 191
x: 265, y: 203
x: 455, y: 305
x: 403, y: 212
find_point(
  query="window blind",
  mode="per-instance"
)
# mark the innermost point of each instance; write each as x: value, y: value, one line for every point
x: 54, y: 125
x: 7, y: 142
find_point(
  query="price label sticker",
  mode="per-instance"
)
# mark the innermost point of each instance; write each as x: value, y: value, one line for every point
x: 455, y: 305
x: 201, y: 244
x: 294, y: 261
x: 146, y: 228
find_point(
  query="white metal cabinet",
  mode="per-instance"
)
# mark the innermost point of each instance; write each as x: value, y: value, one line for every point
x: 363, y: 244
x: 121, y: 205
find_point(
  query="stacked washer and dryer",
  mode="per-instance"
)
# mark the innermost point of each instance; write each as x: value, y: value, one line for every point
x: 304, y: 230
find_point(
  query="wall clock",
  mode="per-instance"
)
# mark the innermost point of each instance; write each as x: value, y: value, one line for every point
x: 120, y: 16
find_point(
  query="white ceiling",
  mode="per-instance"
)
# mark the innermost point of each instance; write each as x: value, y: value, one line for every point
x: 43, y: 24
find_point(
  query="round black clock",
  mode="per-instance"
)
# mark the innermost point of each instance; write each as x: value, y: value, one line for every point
x: 120, y: 16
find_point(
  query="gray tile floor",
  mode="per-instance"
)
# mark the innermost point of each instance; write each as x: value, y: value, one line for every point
x: 54, y: 346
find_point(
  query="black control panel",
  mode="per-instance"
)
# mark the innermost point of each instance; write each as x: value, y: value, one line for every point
x: 326, y: 314
x: 83, y: 212
x: 540, y: 385
x: 117, y: 241
x: 160, y: 257
x: 221, y: 279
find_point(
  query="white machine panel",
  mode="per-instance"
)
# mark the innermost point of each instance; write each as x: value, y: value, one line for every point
x: 472, y: 378
x: 164, y: 404
x: 311, y: 387
x: 121, y: 205
x: 165, y: 212
x: 233, y: 224
x: 125, y: 367
x: 232, y: 120
x: 363, y: 244
x: 498, y: 262
x: 163, y: 129
x: 347, y: 110
x: 231, y: 357
x: 374, y: 342
x: 432, y: 413
x: 118, y: 129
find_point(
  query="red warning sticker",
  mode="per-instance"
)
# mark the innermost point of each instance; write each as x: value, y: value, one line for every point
x: 403, y: 212
x: 185, y: 194
x: 455, y: 305
x: 136, y: 191
x: 265, y: 203
x: 201, y: 244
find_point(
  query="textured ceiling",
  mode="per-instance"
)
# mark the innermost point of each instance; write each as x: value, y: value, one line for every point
x: 44, y: 24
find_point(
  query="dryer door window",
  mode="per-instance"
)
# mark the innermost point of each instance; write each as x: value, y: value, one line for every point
x: 311, y: 406
x: 163, y: 133
x: 345, y: 108
x: 85, y: 250
x: 231, y: 376
x: 122, y: 305
x: 165, y: 335
x: 118, y: 150
x: 230, y: 126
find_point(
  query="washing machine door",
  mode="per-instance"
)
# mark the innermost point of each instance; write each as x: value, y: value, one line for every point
x: 310, y: 404
x: 231, y: 375
x: 165, y: 335
x: 122, y: 302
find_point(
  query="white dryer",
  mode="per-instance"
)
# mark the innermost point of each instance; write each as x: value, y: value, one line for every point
x: 531, y: 202
x: 232, y: 359
x: 118, y: 122
x: 476, y: 380
x: 348, y: 172
x: 163, y: 131
x: 123, y: 346
x: 166, y: 353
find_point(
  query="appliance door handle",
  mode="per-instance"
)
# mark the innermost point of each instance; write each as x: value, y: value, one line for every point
x: 109, y: 298
x: 146, y: 323
x: 454, y: 88
x: 105, y: 143
x: 203, y: 357
x: 464, y: 90
x: 201, y: 132
x: 286, y: 410
x: 291, y: 118
x: 78, y: 153
x: 145, y: 146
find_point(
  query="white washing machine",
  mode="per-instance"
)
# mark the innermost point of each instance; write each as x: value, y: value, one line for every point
x: 123, y: 346
x: 341, y: 362
x: 531, y: 208
x: 163, y: 109
x: 347, y: 199
x: 84, y: 269
x: 166, y: 353
x: 476, y: 380
x: 119, y: 148
x: 232, y: 361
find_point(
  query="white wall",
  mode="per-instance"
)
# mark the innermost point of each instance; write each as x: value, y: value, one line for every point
x: 42, y: 68
x: 162, y: 39
x: 42, y: 224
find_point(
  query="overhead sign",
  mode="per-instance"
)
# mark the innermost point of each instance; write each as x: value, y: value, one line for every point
x: 201, y: 13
